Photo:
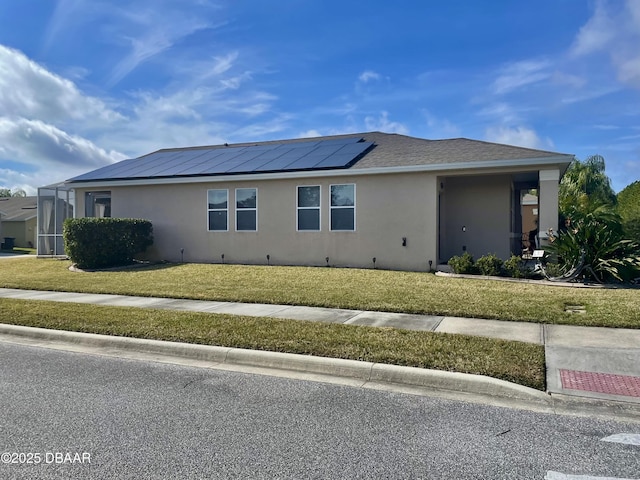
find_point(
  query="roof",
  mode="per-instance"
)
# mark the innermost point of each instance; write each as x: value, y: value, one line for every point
x: 355, y: 152
x: 18, y: 209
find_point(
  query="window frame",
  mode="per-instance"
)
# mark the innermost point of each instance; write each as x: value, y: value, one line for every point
x: 94, y: 197
x: 338, y: 207
x: 226, y: 210
x: 318, y: 208
x: 245, y: 209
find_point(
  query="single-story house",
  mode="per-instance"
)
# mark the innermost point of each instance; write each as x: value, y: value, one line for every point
x: 19, y: 216
x: 346, y: 200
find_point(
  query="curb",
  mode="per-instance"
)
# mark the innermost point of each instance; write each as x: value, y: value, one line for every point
x: 367, y: 372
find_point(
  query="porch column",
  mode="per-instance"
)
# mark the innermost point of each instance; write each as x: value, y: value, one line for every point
x: 547, y: 203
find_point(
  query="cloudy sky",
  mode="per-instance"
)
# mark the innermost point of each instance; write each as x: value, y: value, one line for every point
x: 84, y: 83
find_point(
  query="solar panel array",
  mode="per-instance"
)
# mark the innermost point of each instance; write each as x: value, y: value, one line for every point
x: 277, y: 157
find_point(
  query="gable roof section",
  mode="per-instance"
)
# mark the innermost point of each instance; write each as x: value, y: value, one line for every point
x: 372, y: 152
x: 18, y: 209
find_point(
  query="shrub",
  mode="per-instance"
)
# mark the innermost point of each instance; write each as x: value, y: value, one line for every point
x: 554, y: 269
x: 489, y: 264
x: 462, y: 264
x: 105, y: 242
x: 514, y: 267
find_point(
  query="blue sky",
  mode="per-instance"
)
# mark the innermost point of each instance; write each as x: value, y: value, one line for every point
x: 84, y: 83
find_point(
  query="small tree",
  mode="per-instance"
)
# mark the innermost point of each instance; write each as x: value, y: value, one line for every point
x: 6, y: 192
x: 629, y: 210
x: 584, y: 187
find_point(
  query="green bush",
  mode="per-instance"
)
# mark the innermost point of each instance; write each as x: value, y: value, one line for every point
x: 489, y: 264
x: 514, y: 267
x: 554, y: 269
x: 462, y: 264
x: 105, y: 242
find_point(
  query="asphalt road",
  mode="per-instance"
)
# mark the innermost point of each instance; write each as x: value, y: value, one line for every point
x: 86, y: 416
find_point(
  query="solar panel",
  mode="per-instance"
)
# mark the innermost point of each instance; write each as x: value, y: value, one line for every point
x: 180, y: 164
x: 102, y: 171
x: 290, y: 156
x: 151, y: 163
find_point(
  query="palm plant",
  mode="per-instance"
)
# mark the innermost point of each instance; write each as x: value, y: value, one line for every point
x: 598, y: 235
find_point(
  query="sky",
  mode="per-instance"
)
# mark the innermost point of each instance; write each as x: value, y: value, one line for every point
x: 85, y: 83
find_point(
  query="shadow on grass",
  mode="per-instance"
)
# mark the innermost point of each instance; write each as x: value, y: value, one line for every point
x: 133, y: 267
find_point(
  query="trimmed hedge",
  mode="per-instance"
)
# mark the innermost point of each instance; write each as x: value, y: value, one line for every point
x: 105, y: 242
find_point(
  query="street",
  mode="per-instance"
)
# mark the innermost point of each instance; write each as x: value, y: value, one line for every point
x: 71, y: 415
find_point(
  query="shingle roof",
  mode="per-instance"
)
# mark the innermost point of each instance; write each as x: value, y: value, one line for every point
x: 389, y: 150
x: 18, y: 209
x: 400, y: 150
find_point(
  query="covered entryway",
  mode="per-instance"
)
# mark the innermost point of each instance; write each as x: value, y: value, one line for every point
x: 484, y: 214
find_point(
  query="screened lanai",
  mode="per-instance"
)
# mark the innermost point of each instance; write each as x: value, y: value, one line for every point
x: 55, y: 204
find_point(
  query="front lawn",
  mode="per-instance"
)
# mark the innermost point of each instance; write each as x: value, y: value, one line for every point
x: 512, y: 361
x: 382, y: 290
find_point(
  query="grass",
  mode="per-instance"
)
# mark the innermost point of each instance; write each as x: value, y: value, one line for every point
x: 20, y: 251
x: 507, y: 360
x: 382, y: 290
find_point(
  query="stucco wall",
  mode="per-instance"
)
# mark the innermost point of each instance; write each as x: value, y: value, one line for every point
x: 388, y: 208
x: 23, y: 232
x: 476, y: 216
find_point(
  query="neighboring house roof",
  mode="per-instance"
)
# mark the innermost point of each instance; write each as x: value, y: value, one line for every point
x: 376, y: 152
x: 18, y: 209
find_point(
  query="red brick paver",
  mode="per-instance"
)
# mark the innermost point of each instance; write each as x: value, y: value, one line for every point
x: 601, y: 382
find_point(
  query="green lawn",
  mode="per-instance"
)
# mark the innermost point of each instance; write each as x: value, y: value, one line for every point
x: 335, y: 287
x: 512, y: 361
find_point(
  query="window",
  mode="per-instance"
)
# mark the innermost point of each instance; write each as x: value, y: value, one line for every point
x: 308, y: 208
x: 218, y: 209
x: 246, y: 209
x: 97, y: 204
x: 343, y: 207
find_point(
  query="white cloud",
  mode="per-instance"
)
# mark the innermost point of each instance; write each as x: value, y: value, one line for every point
x: 223, y: 64
x: 596, y: 34
x: 440, y: 128
x: 383, y: 124
x: 368, y: 75
x: 614, y: 29
x: 37, y: 143
x: 519, y: 136
x: 519, y: 74
x: 310, y: 134
x: 571, y: 80
x: 157, y: 36
x: 64, y: 13
x: 504, y: 113
x: 16, y: 181
x: 29, y: 90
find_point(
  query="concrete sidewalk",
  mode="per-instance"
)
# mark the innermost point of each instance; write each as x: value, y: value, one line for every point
x: 585, y: 362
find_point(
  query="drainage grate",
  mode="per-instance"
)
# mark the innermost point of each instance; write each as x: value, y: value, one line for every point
x: 575, y: 309
x: 601, y: 382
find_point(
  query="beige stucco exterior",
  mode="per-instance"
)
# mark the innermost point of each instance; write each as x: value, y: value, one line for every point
x: 476, y: 215
x: 439, y: 215
x: 388, y: 209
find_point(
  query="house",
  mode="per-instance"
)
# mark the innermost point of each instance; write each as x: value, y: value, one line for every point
x: 346, y: 200
x: 19, y: 216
